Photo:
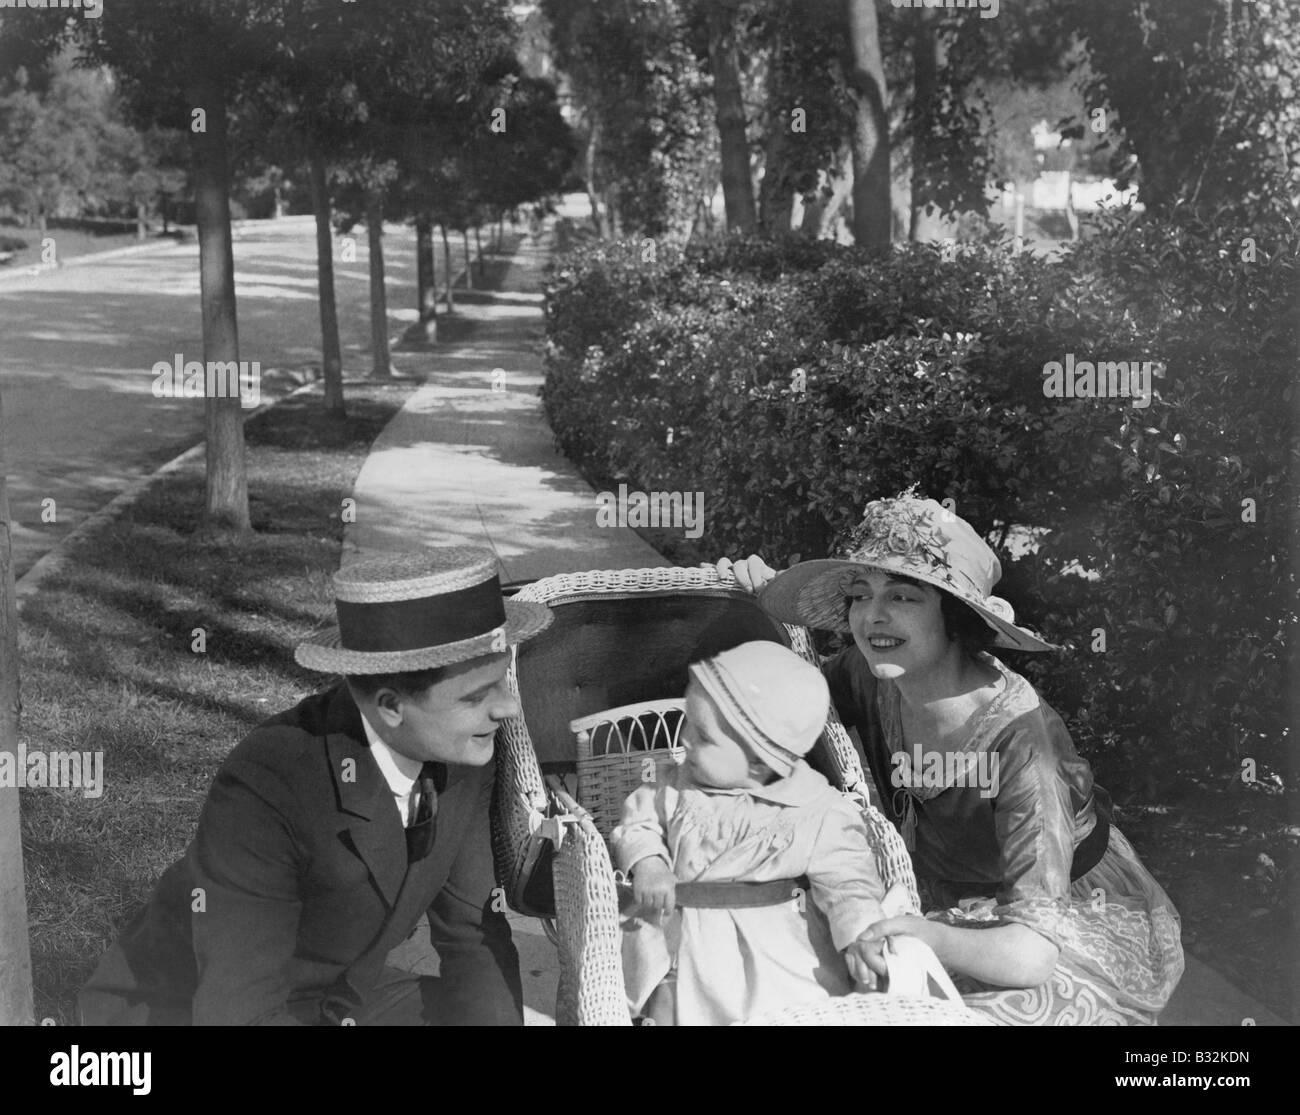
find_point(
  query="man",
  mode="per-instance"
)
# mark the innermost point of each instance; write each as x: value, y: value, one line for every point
x: 333, y: 827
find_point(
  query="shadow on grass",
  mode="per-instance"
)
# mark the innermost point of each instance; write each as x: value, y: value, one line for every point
x: 113, y: 662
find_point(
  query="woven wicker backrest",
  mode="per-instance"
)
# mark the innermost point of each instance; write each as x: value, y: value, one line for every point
x: 609, y: 650
x: 622, y: 749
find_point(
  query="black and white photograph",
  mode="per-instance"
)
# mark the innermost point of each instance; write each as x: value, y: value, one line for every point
x: 642, y: 513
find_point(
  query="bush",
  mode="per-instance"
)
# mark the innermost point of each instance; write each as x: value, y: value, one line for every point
x: 801, y: 381
x: 12, y: 243
x: 1194, y: 590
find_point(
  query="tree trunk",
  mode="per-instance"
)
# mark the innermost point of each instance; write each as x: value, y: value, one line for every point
x: 382, y: 366
x: 598, y: 216
x: 227, y: 480
x: 426, y: 287
x: 469, y: 264
x: 478, y: 248
x: 737, y: 185
x: 15, y: 953
x: 776, y: 193
x: 446, y: 262
x: 1071, y: 214
x: 819, y: 216
x: 865, y: 71
x: 331, y: 351
x: 500, y: 232
x: 141, y: 225
x: 925, y: 69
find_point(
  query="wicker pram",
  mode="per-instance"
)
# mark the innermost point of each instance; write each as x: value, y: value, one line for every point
x: 621, y: 640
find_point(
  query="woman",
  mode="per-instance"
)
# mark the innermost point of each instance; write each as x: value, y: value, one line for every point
x: 1036, y: 903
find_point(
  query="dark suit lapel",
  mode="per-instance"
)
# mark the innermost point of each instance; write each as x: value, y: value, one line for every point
x: 364, y: 799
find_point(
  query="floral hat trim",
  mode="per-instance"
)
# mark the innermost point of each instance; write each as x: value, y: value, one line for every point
x: 900, y: 530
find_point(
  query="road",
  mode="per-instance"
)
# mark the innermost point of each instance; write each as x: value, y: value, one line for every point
x: 78, y: 344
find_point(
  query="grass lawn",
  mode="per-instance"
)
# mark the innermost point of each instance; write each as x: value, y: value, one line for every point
x: 68, y: 243
x: 108, y: 666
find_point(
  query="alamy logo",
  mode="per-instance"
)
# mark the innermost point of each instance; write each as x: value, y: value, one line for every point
x: 988, y: 8
x: 91, y: 9
x: 219, y: 379
x: 1106, y: 379
x: 935, y: 770
x: 130, y: 1070
x: 57, y: 770
x: 657, y: 509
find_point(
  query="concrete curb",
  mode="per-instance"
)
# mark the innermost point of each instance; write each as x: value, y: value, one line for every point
x: 53, y: 559
x: 11, y: 279
x: 36, y: 271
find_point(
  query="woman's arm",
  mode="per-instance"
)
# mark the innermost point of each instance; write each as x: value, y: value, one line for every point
x: 1004, y: 955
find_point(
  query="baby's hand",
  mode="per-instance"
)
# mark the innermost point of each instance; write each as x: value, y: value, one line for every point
x: 654, y: 886
x: 865, y: 958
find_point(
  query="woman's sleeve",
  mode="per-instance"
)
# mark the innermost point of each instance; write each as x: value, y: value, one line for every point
x: 1034, y: 820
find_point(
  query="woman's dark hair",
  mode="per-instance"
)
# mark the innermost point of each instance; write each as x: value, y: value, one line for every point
x: 960, y: 621
x: 409, y: 684
x: 964, y: 624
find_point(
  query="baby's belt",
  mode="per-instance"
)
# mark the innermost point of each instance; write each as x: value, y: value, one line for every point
x: 728, y: 896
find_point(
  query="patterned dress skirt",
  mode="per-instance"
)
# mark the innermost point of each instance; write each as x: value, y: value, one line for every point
x: 1121, y: 954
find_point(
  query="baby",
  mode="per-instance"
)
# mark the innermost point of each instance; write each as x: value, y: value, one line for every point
x: 744, y: 809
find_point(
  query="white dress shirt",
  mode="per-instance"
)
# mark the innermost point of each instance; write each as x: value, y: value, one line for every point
x: 399, y: 772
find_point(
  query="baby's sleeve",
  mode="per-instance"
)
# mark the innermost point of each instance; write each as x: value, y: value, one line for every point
x: 846, y: 883
x: 640, y: 832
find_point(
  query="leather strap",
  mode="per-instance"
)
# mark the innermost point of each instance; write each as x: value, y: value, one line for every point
x: 729, y: 895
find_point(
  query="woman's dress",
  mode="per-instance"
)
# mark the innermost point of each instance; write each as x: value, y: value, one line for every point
x: 1012, y: 829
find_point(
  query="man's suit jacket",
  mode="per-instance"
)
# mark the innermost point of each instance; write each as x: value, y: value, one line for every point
x: 296, y: 887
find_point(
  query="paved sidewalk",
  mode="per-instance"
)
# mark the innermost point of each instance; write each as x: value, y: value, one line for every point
x: 462, y: 463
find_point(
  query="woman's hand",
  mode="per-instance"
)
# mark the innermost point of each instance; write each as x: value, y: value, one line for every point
x: 654, y: 886
x: 751, y: 574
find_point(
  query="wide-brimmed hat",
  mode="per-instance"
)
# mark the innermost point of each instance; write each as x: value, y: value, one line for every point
x: 417, y: 610
x: 774, y: 700
x: 917, y: 538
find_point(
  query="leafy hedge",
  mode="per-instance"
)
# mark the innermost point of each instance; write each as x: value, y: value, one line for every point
x: 801, y: 381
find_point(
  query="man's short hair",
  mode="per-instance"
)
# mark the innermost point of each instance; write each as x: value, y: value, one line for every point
x: 411, y: 683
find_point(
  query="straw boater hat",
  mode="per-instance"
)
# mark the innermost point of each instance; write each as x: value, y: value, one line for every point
x: 417, y: 610
x: 917, y: 538
x: 774, y: 700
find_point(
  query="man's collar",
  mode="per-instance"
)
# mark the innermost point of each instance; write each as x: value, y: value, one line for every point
x: 399, y: 771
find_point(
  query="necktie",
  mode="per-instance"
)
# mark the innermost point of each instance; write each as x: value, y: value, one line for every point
x: 420, y: 832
